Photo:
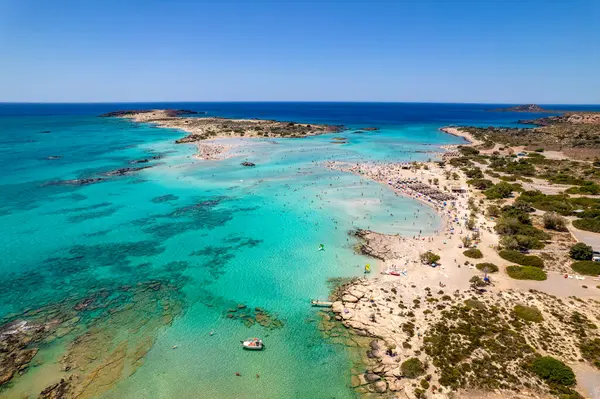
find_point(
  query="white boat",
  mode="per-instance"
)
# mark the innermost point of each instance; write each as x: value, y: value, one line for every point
x: 253, y: 344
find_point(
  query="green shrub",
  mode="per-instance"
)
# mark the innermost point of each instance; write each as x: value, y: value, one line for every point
x: 473, y: 253
x: 590, y: 350
x: 526, y: 273
x: 474, y: 173
x: 553, y: 221
x: 489, y: 267
x: 587, y: 267
x: 528, y: 313
x: 500, y: 190
x: 480, y: 184
x: 587, y: 188
x: 467, y: 151
x: 520, y: 259
x: 412, y: 368
x: 588, y: 224
x: 553, y: 371
x: 581, y: 251
x: 429, y: 257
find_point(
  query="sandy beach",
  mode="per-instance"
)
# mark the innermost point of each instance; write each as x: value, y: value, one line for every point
x: 364, y: 306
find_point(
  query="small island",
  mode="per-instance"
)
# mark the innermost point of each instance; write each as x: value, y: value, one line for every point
x: 208, y: 128
x: 521, y: 108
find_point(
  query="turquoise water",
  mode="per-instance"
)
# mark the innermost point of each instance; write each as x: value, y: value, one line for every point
x: 212, y: 233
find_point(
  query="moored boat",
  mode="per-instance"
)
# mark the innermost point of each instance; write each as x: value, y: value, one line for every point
x: 254, y: 344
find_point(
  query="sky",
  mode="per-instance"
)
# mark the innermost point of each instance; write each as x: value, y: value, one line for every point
x: 482, y: 51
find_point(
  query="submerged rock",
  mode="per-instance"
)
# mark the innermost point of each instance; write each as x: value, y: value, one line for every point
x: 246, y: 163
x: 126, y: 171
x: 75, y: 182
x: 60, y: 390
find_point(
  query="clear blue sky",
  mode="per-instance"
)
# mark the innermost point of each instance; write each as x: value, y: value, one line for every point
x: 504, y: 51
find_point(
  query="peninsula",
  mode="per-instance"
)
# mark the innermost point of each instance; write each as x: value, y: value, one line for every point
x: 500, y: 295
x: 209, y: 128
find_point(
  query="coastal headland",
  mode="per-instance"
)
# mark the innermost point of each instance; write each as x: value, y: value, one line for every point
x: 483, y: 307
x: 203, y: 129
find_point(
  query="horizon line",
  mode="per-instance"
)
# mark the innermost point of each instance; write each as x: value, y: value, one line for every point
x: 288, y: 101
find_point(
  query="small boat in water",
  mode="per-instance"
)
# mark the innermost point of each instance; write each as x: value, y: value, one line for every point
x: 253, y: 344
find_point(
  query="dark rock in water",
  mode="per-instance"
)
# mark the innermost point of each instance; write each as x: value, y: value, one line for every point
x: 164, y: 198
x: 241, y: 306
x: 60, y: 390
x: 146, y: 160
x: 52, y: 157
x: 139, y: 161
x: 246, y: 163
x: 369, y: 129
x: 126, y: 171
x: 359, y: 132
x: 75, y: 182
x: 14, y: 354
x: 45, y: 132
x: 84, y: 303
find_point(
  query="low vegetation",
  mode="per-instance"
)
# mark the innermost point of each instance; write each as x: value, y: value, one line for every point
x: 526, y: 273
x: 554, y: 221
x: 520, y: 259
x: 412, y: 368
x: 487, y: 267
x: 473, y: 253
x: 499, y: 191
x: 429, y: 257
x: 581, y: 251
x: 587, y: 267
x: 590, y: 350
x: 528, y: 313
x: 553, y: 371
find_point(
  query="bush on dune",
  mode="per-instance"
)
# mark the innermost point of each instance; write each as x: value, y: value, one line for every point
x: 581, y: 251
x: 519, y: 258
x: 553, y: 371
x: 487, y: 267
x: 526, y: 273
x: 587, y: 267
x: 473, y: 253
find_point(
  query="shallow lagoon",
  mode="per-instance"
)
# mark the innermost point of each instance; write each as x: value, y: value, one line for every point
x: 213, y: 233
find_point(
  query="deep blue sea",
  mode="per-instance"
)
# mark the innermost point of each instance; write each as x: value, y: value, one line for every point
x: 134, y: 272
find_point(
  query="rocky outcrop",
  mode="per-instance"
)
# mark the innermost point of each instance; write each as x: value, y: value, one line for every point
x: 521, y: 108
x: 168, y: 112
x: 583, y: 118
x: 15, y: 350
x: 60, y: 390
x: 246, y: 163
